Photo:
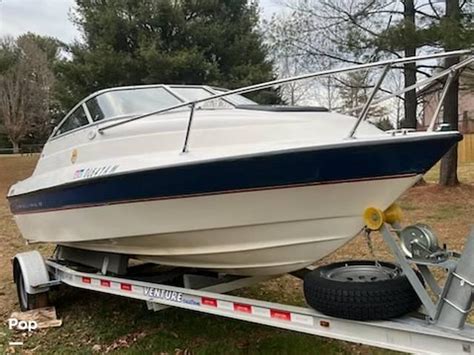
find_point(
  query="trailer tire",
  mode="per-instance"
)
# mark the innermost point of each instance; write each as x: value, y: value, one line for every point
x: 356, y: 290
x: 27, y: 300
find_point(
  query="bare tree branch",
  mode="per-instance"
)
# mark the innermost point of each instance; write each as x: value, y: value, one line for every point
x: 25, y: 91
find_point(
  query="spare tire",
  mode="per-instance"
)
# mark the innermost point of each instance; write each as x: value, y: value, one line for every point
x: 360, y: 290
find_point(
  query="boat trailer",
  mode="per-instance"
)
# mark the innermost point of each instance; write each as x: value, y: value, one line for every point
x: 439, y: 327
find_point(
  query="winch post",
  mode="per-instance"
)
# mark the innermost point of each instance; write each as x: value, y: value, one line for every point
x: 457, y: 302
x: 418, y: 287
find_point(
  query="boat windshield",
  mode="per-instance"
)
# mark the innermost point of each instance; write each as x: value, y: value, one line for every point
x: 137, y: 101
x: 123, y: 102
x: 196, y: 93
x: 129, y: 102
x: 235, y: 98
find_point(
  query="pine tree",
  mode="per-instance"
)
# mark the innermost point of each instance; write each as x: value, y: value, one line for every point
x: 128, y: 42
x: 354, y: 92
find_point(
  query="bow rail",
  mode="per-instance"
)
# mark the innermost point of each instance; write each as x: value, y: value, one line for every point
x: 387, y: 64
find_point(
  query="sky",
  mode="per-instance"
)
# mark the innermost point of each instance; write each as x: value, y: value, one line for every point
x: 52, y: 17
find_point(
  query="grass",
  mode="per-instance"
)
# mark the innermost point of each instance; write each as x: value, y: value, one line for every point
x: 100, y: 323
x: 465, y: 173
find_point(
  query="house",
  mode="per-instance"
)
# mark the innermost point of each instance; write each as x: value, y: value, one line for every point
x: 430, y: 95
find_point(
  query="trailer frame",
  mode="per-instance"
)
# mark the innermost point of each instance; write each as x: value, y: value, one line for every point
x: 205, y: 292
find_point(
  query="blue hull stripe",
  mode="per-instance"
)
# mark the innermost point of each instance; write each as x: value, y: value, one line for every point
x: 352, y: 162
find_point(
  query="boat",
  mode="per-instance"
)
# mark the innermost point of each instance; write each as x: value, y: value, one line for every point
x: 202, y: 177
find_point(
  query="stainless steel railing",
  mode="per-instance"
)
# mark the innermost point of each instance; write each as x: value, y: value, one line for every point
x: 386, y: 64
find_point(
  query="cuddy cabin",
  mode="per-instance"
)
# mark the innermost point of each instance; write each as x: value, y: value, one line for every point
x: 227, y: 126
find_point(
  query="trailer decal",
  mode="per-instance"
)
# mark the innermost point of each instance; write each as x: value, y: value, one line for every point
x: 191, y: 301
x: 163, y: 294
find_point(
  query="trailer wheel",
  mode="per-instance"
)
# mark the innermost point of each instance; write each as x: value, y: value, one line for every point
x: 360, y: 290
x: 27, y: 301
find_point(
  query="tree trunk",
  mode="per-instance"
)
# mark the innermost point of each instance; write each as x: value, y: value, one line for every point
x: 449, y: 164
x: 16, y: 147
x: 409, y: 71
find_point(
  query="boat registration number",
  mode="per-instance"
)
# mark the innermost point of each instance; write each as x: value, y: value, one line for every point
x: 95, y: 171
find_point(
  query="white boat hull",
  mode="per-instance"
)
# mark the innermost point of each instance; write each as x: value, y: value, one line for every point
x: 248, y: 233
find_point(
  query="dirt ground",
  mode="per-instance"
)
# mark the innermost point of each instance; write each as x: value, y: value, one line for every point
x: 12, y: 169
x: 449, y: 210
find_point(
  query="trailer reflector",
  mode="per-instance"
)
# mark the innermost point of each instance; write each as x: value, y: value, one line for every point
x: 86, y: 280
x: 126, y: 287
x: 209, y: 301
x: 275, y: 313
x: 105, y: 283
x: 241, y: 307
x: 324, y: 323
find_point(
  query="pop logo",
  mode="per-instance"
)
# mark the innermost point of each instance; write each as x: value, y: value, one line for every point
x: 29, y: 325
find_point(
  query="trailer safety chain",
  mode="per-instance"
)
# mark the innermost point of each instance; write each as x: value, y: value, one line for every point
x: 370, y: 245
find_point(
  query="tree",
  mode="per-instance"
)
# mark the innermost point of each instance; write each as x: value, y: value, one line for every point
x: 50, y: 46
x: 451, y: 31
x: 409, y: 72
x: 354, y: 31
x: 25, y: 89
x: 449, y: 164
x: 129, y: 42
x: 53, y: 49
x: 292, y: 92
x: 345, y: 31
x: 354, y: 92
x: 358, y: 31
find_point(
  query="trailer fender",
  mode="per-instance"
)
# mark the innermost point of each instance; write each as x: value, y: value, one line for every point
x: 33, y: 269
